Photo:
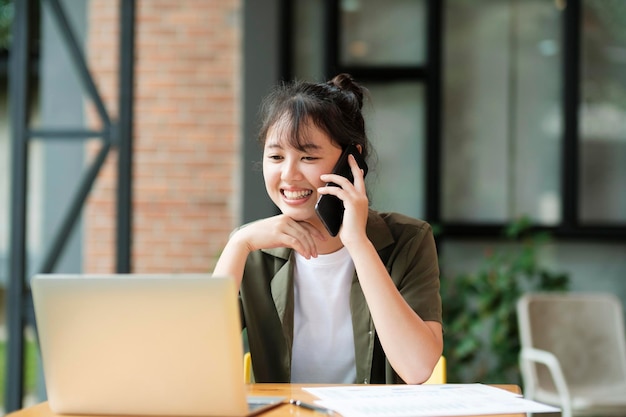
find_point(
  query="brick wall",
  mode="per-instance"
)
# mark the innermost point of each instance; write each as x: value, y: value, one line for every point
x: 186, y: 133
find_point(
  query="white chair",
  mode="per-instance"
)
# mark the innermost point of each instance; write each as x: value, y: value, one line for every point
x: 573, y: 352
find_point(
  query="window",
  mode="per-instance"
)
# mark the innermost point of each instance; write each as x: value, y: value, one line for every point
x: 523, y: 114
x: 603, y: 113
x: 383, y: 45
x: 501, y: 127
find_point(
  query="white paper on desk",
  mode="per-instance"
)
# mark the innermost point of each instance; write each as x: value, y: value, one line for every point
x: 424, y: 400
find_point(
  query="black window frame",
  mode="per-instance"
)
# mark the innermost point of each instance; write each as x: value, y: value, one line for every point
x: 429, y: 75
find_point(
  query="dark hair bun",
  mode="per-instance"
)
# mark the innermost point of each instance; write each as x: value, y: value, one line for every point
x: 346, y: 83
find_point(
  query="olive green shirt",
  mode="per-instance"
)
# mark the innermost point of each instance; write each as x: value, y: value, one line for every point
x: 407, y: 248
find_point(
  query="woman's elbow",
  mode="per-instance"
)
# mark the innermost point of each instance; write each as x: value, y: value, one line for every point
x: 418, y: 375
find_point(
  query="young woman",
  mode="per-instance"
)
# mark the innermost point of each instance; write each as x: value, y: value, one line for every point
x: 360, y: 307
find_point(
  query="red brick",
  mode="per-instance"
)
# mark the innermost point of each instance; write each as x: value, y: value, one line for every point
x: 185, y: 133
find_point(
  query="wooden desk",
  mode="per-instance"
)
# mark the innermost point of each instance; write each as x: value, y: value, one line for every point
x: 285, y: 390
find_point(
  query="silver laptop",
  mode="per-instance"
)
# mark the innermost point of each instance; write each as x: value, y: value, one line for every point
x: 142, y: 345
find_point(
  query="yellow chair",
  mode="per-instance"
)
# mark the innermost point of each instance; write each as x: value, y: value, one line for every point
x: 437, y: 377
x: 439, y: 372
x: 247, y: 368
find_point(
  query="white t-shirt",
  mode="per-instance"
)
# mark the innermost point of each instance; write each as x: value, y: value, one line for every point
x: 323, y: 340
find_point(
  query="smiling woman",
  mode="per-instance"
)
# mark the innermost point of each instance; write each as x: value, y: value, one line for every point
x: 292, y: 175
x: 322, y: 307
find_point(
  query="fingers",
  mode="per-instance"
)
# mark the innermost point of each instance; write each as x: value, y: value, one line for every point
x: 354, y: 197
x: 299, y: 236
x: 344, y: 183
x: 357, y: 172
x: 283, y: 231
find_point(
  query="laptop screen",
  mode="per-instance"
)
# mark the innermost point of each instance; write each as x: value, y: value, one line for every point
x: 140, y: 344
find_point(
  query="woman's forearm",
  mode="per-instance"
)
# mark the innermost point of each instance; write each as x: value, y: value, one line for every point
x: 411, y: 345
x: 232, y: 261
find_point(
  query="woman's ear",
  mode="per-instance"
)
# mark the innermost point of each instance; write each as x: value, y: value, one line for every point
x: 359, y: 147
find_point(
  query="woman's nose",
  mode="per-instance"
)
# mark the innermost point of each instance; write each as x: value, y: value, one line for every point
x: 291, y: 170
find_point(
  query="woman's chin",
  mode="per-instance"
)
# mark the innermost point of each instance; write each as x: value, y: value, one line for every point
x: 299, y: 215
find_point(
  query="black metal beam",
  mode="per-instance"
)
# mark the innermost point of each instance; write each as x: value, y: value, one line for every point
x: 331, y: 38
x: 19, y: 303
x: 385, y: 73
x: 104, y: 134
x: 16, y: 287
x: 457, y: 230
x: 125, y: 136
x: 73, y: 212
x: 286, y: 39
x: 433, y: 138
x: 571, y: 102
x: 78, y: 58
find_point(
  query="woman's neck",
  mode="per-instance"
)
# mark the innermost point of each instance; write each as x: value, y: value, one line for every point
x: 330, y: 245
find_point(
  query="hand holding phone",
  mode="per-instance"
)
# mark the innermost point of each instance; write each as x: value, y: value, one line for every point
x: 329, y: 208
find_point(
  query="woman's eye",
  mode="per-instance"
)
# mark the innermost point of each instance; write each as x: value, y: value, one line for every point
x: 310, y: 158
x: 275, y: 157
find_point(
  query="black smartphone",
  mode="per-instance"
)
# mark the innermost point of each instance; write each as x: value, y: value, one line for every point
x: 330, y: 208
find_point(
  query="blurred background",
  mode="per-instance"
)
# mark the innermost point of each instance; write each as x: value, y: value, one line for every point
x: 128, y: 141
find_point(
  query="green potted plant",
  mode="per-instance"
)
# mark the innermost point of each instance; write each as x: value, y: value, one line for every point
x: 479, y: 308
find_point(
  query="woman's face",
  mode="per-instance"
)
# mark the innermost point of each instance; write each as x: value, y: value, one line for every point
x: 292, y: 176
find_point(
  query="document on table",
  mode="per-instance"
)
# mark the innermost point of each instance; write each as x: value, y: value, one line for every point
x: 424, y: 400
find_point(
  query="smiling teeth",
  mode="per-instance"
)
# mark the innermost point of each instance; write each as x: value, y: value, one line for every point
x: 295, y: 195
